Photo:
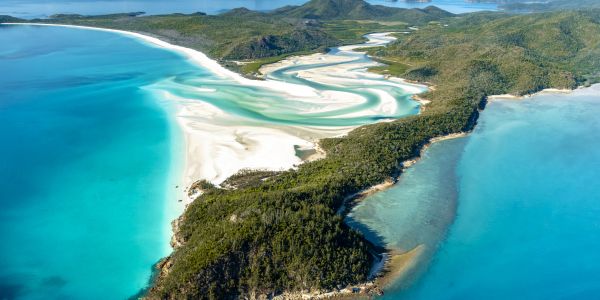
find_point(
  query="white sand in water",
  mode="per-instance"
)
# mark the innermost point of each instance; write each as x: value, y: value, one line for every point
x: 580, y: 91
x: 219, y: 144
x: 217, y: 147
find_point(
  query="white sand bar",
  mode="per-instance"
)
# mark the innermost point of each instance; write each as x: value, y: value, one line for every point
x: 303, y: 99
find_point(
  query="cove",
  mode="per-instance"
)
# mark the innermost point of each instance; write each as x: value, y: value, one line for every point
x: 527, y: 203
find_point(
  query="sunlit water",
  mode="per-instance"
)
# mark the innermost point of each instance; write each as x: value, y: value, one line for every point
x: 527, y: 216
x: 45, y: 8
x: 87, y: 163
x: 347, y: 96
x: 91, y: 156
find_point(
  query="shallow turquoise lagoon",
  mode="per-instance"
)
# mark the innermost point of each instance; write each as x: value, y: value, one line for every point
x: 527, y: 219
x: 88, y: 163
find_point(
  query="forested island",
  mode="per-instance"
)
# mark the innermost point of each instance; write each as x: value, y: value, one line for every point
x: 256, y: 38
x: 551, y: 5
x: 274, y: 232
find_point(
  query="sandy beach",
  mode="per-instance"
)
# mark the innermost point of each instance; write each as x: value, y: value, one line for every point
x: 513, y: 97
x: 219, y: 144
x: 215, y: 152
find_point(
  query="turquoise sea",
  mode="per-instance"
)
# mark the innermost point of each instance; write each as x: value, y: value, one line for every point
x: 524, y: 194
x: 88, y: 163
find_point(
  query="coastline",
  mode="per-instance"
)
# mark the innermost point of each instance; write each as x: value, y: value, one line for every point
x: 390, y: 265
x: 531, y: 122
x: 387, y: 265
x: 190, y: 114
x: 400, y: 266
x: 544, y: 91
x: 186, y: 119
x: 252, y: 147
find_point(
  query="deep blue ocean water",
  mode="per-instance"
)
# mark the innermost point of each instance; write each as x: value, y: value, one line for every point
x: 528, y: 206
x: 88, y: 163
x: 44, y: 8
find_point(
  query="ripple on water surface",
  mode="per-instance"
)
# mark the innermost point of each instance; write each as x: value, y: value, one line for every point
x: 85, y: 163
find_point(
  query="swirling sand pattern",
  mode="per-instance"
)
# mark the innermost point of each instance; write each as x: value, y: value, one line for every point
x: 233, y: 123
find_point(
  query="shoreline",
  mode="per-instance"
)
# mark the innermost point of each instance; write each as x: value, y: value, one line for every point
x: 185, y: 119
x: 405, y: 268
x: 189, y: 112
x: 493, y: 98
x: 393, y: 265
x: 252, y: 146
x: 400, y: 266
x: 196, y: 57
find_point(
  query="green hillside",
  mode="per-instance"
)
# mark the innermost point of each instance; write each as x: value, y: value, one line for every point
x: 9, y: 19
x: 496, y: 53
x: 241, y: 34
x: 287, y: 236
x: 360, y: 10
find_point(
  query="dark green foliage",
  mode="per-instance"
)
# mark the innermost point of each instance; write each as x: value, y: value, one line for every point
x: 248, y: 178
x: 361, y: 10
x: 499, y: 53
x: 241, y: 34
x: 423, y: 74
x: 283, y: 233
x: 9, y: 19
x: 274, y: 45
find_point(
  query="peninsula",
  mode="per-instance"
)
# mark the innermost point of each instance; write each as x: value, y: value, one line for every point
x: 267, y: 233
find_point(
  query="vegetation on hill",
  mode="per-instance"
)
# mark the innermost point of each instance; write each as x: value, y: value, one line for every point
x: 244, y: 35
x: 360, y: 10
x: 9, y: 19
x: 497, y: 53
x: 234, y: 35
x: 283, y: 232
